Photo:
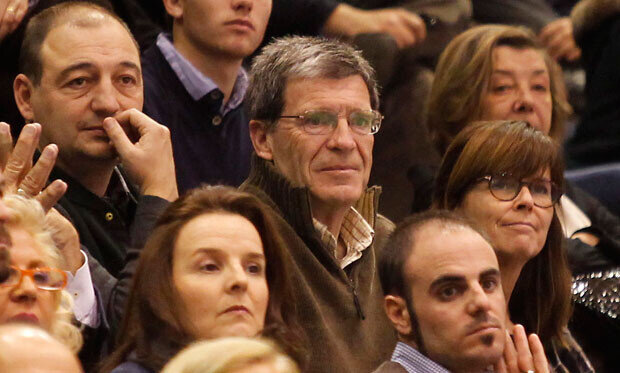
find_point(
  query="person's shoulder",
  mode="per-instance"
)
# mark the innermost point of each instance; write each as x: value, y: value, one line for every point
x: 390, y: 367
x: 131, y: 367
x: 383, y: 226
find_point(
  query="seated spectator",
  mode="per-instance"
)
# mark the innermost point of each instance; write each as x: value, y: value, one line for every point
x: 502, y: 73
x: 313, y: 104
x: 231, y: 355
x: 32, y: 291
x: 85, y: 88
x: 25, y: 348
x: 443, y: 294
x: 194, y: 84
x: 506, y: 177
x: 214, y: 267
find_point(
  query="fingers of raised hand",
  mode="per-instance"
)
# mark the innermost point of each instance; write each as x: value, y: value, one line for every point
x: 524, y: 355
x: 6, y: 144
x: 20, y: 161
x: 52, y: 194
x: 541, y: 365
x: 510, y: 355
x: 35, y: 180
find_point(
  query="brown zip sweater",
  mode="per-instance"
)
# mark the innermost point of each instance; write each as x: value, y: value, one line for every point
x: 341, y: 311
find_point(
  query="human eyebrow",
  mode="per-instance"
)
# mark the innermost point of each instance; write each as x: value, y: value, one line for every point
x: 503, y: 72
x: 70, y: 69
x: 446, y: 279
x: 491, y: 272
x: 132, y: 66
x: 256, y: 256
x: 207, y: 251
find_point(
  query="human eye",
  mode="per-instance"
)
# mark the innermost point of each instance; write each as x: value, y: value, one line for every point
x: 255, y: 268
x: 504, y: 183
x: 540, y: 87
x: 78, y: 82
x: 489, y: 284
x: 501, y: 88
x: 41, y: 277
x: 316, y: 118
x: 540, y: 187
x: 448, y: 292
x: 209, y: 267
x: 128, y: 80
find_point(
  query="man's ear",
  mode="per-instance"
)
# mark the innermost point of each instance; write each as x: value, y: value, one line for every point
x: 260, y: 140
x: 397, y: 312
x: 174, y: 8
x: 23, y: 89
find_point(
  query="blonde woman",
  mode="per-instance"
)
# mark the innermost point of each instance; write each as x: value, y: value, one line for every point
x: 232, y: 355
x: 32, y: 289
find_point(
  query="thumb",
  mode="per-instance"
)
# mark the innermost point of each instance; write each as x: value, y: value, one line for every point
x: 117, y: 136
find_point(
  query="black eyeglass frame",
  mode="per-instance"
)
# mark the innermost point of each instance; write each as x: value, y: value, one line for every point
x: 373, y: 128
x: 556, y: 192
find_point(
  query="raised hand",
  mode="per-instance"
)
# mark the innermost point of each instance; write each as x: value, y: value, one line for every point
x: 148, y: 160
x: 524, y: 354
x: 18, y: 172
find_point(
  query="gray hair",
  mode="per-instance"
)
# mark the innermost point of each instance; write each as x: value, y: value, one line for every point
x: 302, y: 57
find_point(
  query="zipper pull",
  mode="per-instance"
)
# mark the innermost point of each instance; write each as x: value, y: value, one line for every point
x: 358, y: 306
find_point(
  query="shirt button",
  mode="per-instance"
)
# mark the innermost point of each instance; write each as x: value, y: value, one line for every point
x: 217, y: 120
x: 216, y: 95
x: 109, y: 216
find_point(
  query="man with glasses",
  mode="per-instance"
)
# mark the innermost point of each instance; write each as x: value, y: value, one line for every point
x: 313, y: 106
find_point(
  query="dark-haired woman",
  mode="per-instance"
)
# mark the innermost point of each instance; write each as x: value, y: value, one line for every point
x: 213, y: 267
x: 507, y: 178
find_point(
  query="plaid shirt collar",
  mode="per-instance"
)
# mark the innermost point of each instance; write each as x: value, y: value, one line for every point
x: 413, y: 361
x: 356, y: 234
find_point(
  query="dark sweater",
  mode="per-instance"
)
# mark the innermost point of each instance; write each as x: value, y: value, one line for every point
x: 207, y: 148
x: 341, y: 311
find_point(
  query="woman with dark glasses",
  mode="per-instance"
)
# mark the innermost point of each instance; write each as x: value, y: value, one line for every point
x: 31, y: 286
x: 507, y: 178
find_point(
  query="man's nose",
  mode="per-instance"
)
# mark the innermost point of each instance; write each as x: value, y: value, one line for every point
x: 479, y: 301
x: 105, y: 100
x: 342, y: 136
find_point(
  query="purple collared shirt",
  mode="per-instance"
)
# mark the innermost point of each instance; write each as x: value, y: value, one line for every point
x: 196, y: 83
x: 413, y: 361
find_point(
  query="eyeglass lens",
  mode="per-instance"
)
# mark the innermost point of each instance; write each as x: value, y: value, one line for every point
x: 507, y: 188
x: 323, y: 121
x: 43, y: 278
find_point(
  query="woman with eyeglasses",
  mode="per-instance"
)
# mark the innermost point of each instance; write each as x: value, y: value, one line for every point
x: 507, y: 178
x: 498, y: 72
x: 31, y: 287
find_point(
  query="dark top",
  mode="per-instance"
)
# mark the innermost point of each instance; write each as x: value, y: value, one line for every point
x: 102, y: 223
x: 597, y: 137
x: 208, y: 148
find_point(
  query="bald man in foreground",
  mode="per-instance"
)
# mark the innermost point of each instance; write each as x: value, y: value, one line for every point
x: 19, y: 341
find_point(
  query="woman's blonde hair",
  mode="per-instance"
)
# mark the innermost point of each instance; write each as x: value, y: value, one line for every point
x: 462, y: 79
x: 225, y: 355
x: 28, y: 214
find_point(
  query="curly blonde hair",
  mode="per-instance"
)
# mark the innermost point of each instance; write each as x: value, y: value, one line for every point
x: 28, y: 214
